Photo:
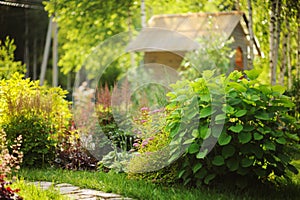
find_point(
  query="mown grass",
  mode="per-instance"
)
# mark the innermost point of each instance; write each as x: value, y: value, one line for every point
x: 30, y: 192
x: 139, y: 189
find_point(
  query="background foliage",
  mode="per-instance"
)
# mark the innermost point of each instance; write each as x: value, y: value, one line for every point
x: 8, y: 65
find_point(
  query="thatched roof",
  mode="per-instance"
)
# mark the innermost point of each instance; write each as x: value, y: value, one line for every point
x: 178, y: 32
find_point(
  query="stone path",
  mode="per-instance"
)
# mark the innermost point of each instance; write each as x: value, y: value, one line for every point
x: 75, y: 193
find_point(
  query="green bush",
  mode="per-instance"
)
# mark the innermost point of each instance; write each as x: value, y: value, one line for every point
x: 37, y: 147
x: 38, y: 113
x: 248, y: 121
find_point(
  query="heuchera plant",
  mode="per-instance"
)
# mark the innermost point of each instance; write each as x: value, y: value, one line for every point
x: 9, y: 165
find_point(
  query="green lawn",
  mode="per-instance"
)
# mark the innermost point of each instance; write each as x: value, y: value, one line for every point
x: 138, y: 189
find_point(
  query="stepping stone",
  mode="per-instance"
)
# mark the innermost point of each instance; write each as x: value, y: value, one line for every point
x: 43, y: 184
x: 64, y: 185
x: 99, y: 194
x: 75, y: 193
x: 68, y: 190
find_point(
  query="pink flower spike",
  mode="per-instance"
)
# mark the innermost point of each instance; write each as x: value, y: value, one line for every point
x: 151, y: 138
x: 144, y: 109
x: 156, y: 111
x: 135, y: 144
x: 143, y: 121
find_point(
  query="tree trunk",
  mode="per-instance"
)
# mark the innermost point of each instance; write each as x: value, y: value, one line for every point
x: 290, y: 78
x: 34, y: 64
x: 46, y: 52
x: 26, y: 50
x: 237, y: 5
x: 278, y: 30
x: 272, y: 43
x: 275, y: 29
x: 54, y: 56
x: 298, y: 47
x: 251, y: 35
x: 132, y: 60
x: 284, y: 55
x: 143, y: 14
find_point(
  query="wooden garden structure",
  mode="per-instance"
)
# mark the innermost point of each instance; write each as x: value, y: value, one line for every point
x: 168, y: 37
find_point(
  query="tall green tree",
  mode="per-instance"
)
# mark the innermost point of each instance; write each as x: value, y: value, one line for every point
x: 85, y: 23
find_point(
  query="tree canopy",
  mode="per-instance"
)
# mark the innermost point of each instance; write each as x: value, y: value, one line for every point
x: 84, y: 24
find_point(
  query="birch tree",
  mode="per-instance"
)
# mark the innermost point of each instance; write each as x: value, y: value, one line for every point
x: 284, y: 53
x: 275, y: 28
x: 251, y: 34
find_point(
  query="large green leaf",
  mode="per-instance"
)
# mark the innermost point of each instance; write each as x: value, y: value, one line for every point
x: 189, y: 141
x: 224, y: 139
x: 191, y: 113
x: 237, y: 128
x: 244, y: 137
x: 240, y: 113
x: 234, y: 101
x: 205, y: 98
x: 218, y: 161
x: 255, y: 98
x: 220, y: 117
x: 201, y: 154
x: 237, y: 86
x: 216, y: 130
x: 204, y: 132
x: 209, y: 178
x: 194, y: 148
x: 278, y: 89
x: 197, y: 167
x: 246, y: 162
x: 228, y: 109
x: 281, y: 140
x: 228, y: 151
x: 262, y: 116
x: 265, y: 89
x: 258, y: 136
x: 195, y: 133
x: 294, y: 137
x: 248, y: 127
x: 182, y: 97
x: 180, y: 174
x: 252, y: 74
x: 232, y: 164
x: 269, y: 145
x: 205, y: 112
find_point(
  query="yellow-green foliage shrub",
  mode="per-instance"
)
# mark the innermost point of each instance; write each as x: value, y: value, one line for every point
x: 39, y: 113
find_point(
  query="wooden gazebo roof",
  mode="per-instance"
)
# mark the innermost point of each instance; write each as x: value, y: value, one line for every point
x: 179, y: 32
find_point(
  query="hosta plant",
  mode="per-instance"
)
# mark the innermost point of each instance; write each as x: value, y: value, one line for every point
x: 232, y: 128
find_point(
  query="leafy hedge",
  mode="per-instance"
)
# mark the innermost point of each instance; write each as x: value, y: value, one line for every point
x: 233, y: 129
